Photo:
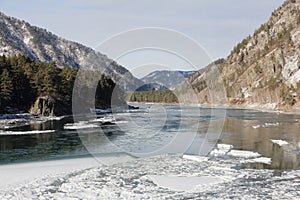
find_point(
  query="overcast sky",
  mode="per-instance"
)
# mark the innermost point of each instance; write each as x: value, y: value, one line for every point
x: 215, y: 24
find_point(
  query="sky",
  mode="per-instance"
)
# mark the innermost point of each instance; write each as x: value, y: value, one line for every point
x: 216, y: 25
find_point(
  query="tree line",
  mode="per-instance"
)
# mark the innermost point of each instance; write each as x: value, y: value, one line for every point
x: 23, y: 80
x: 165, y: 96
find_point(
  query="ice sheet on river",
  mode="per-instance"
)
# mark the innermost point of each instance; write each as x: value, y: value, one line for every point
x: 146, y: 178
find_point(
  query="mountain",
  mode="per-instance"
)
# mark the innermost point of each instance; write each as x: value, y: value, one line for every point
x: 19, y: 37
x: 264, y: 69
x: 164, y: 79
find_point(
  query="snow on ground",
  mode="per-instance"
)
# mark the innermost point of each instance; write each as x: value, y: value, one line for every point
x: 290, y: 69
x: 159, y: 177
x: 294, y: 79
x: 280, y: 142
x: 295, y: 37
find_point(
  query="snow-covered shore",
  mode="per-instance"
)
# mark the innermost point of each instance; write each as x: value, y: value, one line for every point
x: 8, y: 121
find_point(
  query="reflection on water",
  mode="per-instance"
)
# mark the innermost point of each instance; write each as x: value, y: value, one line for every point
x: 39, y: 146
x: 244, y: 129
x: 250, y: 130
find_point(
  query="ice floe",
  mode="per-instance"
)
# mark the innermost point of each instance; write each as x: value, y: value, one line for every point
x: 225, y: 147
x: 159, y: 177
x: 106, y: 119
x: 80, y: 125
x: 221, y: 150
x: 265, y: 125
x: 195, y: 158
x: 263, y: 160
x: 280, y: 142
x: 25, y: 132
x: 243, y: 154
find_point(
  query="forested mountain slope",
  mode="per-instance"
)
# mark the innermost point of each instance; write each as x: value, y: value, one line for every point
x: 19, y: 37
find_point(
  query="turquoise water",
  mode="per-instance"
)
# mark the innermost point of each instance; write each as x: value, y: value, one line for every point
x: 152, y: 129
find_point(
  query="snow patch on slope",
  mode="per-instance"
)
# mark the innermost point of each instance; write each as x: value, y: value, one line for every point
x: 290, y: 70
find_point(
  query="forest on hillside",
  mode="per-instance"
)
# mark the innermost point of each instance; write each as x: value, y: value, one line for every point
x: 165, y: 96
x: 23, y: 80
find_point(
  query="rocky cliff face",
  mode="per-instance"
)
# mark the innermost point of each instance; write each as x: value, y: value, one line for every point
x: 265, y: 67
x: 19, y: 37
x: 44, y: 106
x: 49, y: 106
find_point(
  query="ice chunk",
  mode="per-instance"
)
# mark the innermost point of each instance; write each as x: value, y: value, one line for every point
x: 265, y: 125
x: 271, y: 124
x: 79, y: 126
x: 263, y: 160
x: 221, y: 150
x: 195, y: 158
x: 280, y: 142
x: 225, y: 147
x: 217, y: 152
x: 256, y: 126
x: 106, y: 119
x: 243, y: 154
x: 55, y: 118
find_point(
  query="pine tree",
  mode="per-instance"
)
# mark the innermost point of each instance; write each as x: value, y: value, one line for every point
x: 6, y: 86
x: 21, y: 90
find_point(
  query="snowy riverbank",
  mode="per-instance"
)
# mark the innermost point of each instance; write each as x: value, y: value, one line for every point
x: 8, y: 121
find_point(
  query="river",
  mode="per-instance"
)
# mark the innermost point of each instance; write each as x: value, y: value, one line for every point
x: 230, y: 148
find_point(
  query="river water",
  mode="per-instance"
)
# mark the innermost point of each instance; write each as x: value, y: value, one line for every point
x: 154, y: 138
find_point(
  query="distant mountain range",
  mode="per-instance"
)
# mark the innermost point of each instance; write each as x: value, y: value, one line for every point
x: 164, y: 79
x: 19, y: 37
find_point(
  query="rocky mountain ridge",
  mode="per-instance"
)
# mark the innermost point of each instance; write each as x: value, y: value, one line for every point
x: 264, y: 68
x: 19, y: 37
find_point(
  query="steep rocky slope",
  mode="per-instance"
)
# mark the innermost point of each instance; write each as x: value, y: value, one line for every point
x: 19, y: 37
x: 264, y: 68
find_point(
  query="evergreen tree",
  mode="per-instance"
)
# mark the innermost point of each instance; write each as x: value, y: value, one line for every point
x: 6, y: 87
x: 21, y: 88
x: 24, y: 80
